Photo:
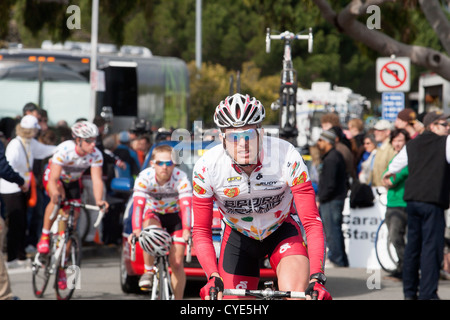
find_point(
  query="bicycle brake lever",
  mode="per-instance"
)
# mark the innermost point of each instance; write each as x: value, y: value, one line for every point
x: 315, y: 295
x: 133, y: 248
x: 213, y: 293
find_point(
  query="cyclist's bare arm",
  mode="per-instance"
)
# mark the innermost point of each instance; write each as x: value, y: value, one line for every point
x: 97, y: 184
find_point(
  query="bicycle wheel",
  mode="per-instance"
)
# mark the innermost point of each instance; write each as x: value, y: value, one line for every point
x: 384, y: 249
x: 67, y: 275
x: 40, y: 270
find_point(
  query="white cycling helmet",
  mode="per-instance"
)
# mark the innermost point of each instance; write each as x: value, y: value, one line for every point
x: 84, y: 130
x: 155, y: 241
x: 239, y: 110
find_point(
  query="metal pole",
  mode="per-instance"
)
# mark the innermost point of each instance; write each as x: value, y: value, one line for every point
x: 198, y: 34
x: 94, y: 41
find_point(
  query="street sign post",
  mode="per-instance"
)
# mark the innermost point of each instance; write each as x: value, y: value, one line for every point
x: 393, y: 74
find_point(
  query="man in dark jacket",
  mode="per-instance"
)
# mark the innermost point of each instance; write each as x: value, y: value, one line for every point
x: 332, y: 193
x: 7, y: 173
x: 427, y: 192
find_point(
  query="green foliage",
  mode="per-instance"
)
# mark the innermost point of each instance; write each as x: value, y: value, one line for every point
x: 233, y: 38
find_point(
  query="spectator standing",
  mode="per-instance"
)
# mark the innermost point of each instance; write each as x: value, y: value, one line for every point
x: 396, y: 217
x: 20, y: 153
x: 7, y: 173
x: 385, y: 151
x: 365, y: 165
x: 406, y: 119
x: 356, y: 136
x: 346, y: 154
x: 332, y: 193
x: 427, y: 192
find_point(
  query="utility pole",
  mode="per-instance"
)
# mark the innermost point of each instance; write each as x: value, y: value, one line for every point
x: 198, y: 34
x: 93, y: 71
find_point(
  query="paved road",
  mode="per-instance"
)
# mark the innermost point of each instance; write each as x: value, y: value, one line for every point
x: 100, y: 281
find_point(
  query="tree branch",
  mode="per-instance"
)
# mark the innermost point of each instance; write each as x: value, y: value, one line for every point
x: 346, y: 22
x: 438, y: 21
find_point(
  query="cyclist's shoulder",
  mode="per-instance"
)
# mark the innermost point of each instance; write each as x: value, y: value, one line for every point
x: 212, y: 157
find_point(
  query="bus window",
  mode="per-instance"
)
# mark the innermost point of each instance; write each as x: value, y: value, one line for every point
x: 61, y: 88
x: 18, y: 85
x: 121, y: 90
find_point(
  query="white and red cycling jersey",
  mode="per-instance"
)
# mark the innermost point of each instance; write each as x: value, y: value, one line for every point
x: 174, y: 197
x: 73, y: 164
x: 258, y: 204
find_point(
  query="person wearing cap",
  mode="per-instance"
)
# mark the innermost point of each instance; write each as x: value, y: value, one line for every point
x: 20, y: 153
x: 128, y: 155
x: 385, y: 151
x: 332, y: 194
x: 427, y: 196
x: 406, y: 119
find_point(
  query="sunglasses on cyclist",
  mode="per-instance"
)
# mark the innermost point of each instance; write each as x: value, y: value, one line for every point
x: 235, y: 136
x: 161, y: 163
x: 90, y: 140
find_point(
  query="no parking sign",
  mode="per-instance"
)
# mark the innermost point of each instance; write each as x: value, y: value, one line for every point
x: 393, y: 74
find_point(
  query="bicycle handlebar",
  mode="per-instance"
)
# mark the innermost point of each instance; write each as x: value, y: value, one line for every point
x: 75, y: 204
x: 289, y: 36
x: 265, y: 293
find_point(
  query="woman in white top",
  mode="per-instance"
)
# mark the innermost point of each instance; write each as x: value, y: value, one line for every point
x: 366, y: 163
x: 20, y: 153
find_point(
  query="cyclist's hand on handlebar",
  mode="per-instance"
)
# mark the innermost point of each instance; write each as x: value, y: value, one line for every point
x: 134, y: 234
x: 103, y: 205
x: 56, y: 198
x: 214, y: 282
x: 317, y: 291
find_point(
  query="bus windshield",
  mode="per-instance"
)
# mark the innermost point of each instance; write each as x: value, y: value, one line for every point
x: 61, y: 88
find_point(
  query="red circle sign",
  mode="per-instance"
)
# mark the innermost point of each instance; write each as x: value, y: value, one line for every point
x: 393, y: 79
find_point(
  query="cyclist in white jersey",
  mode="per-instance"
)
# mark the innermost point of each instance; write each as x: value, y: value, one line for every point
x: 62, y: 177
x: 162, y: 196
x: 254, y: 180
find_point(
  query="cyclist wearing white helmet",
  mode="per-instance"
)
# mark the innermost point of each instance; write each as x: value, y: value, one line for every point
x: 62, y: 177
x: 162, y: 197
x: 254, y: 181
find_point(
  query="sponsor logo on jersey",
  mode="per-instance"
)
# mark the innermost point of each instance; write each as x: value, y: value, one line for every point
x: 231, y: 192
x: 198, y: 189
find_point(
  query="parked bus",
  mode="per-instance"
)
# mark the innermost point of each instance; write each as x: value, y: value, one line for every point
x: 56, y: 77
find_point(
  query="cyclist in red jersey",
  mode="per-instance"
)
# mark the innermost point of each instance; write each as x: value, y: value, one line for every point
x: 62, y: 177
x: 162, y: 197
x: 254, y: 181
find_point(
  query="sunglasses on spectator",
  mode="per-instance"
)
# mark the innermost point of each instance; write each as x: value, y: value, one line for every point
x: 161, y: 163
x: 444, y: 124
x: 235, y: 136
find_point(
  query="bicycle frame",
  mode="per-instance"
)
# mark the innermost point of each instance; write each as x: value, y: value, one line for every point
x: 162, y: 284
x: 62, y: 231
x: 288, y: 88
